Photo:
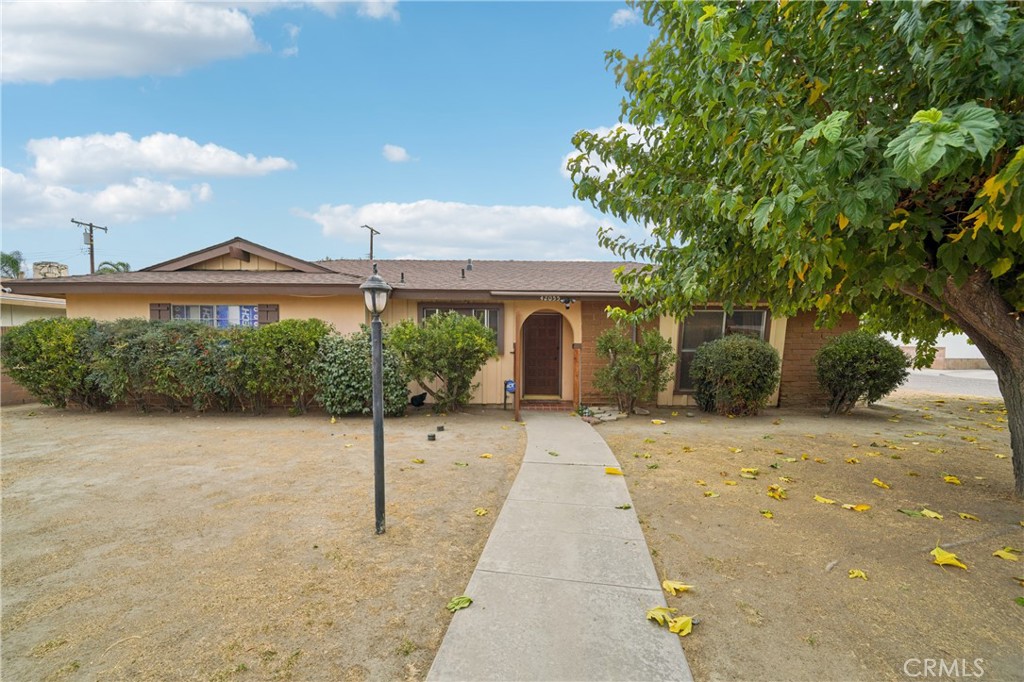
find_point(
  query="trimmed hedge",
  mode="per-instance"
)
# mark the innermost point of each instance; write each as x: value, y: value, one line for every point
x: 179, y: 365
x: 859, y: 366
x: 344, y: 375
x: 734, y: 375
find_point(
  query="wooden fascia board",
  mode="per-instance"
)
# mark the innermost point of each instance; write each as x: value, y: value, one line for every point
x: 233, y: 246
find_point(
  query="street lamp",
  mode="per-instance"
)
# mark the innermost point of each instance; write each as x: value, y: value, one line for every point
x: 376, y: 290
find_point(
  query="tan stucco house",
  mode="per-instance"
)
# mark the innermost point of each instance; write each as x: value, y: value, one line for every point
x: 17, y: 309
x: 547, y: 314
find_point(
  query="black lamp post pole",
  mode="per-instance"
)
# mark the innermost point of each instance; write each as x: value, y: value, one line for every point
x: 378, y: 422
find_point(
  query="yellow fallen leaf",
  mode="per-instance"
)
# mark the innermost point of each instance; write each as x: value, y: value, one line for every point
x: 857, y: 573
x: 880, y: 484
x: 930, y: 514
x: 953, y: 480
x: 700, y: 482
x: 657, y: 422
x: 823, y: 500
x: 746, y: 475
x: 613, y: 471
x: 348, y: 445
x: 660, y: 614
x: 675, y: 414
x: 334, y: 420
x: 805, y: 456
x: 778, y: 492
x: 1003, y: 554
x: 730, y: 482
x: 874, y: 453
x: 736, y: 449
x: 687, y: 448
x: 710, y: 493
x: 681, y: 626
x: 853, y: 460
x: 787, y: 479
x: 857, y: 507
x: 418, y: 461
x: 480, y: 511
x: 968, y: 517
x: 1000, y: 456
x: 944, y: 558
x: 767, y: 514
x: 486, y: 455
x: 820, y: 460
x: 674, y: 586
x: 751, y: 470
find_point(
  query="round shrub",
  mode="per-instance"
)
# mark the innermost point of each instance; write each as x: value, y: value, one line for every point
x: 344, y: 376
x: 859, y: 366
x: 734, y: 375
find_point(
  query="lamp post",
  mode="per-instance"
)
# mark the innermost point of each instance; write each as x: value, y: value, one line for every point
x: 375, y: 291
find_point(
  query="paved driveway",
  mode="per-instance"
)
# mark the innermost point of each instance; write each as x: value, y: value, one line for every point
x: 979, y: 382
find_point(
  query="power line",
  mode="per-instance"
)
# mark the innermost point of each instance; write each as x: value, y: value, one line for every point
x: 90, y: 242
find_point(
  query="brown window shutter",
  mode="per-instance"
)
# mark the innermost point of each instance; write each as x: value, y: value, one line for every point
x: 159, y: 311
x: 267, y: 313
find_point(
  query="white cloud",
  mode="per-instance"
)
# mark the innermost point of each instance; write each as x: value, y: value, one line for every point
x: 625, y: 17
x: 442, y: 229
x: 49, y: 41
x: 31, y: 203
x: 601, y: 168
x: 379, y: 9
x: 395, y: 154
x: 293, y: 35
x: 105, y: 157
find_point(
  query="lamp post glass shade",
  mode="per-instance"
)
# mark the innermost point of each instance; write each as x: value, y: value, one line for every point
x: 375, y: 292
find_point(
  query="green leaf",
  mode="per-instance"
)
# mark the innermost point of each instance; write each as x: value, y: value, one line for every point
x: 980, y: 124
x: 459, y: 603
x: 927, y: 116
x: 1001, y: 267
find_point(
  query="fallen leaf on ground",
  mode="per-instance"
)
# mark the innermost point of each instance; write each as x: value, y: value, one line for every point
x: 486, y: 455
x: 681, y: 625
x: 857, y: 573
x: 710, y: 493
x: 820, y: 460
x: 874, y: 453
x: 480, y: 511
x: 746, y: 475
x: 657, y: 422
x: 968, y: 517
x: 624, y: 506
x: 461, y: 464
x: 334, y: 420
x: 953, y: 480
x: 778, y: 492
x: 787, y: 479
x: 613, y: 471
x: 660, y: 614
x: 789, y: 459
x: 730, y: 482
x: 853, y: 460
x: 857, y: 507
x: 674, y: 586
x: 1000, y: 456
x: 880, y: 484
x: 675, y: 414
x: 736, y: 449
x: 458, y: 603
x: 1005, y: 553
x: 767, y: 514
x: 418, y: 460
x: 930, y: 514
x: 823, y: 500
x: 910, y: 512
x: 944, y: 558
x: 700, y: 482
x: 753, y: 471
x: 552, y: 453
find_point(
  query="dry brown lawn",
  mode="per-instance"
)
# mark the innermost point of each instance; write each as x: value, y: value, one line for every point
x: 773, y: 596
x: 224, y: 547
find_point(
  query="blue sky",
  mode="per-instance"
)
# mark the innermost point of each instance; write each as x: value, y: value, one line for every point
x: 179, y: 125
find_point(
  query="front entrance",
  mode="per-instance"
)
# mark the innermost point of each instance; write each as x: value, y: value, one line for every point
x: 542, y: 355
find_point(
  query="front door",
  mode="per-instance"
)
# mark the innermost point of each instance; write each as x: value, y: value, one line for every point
x: 542, y: 357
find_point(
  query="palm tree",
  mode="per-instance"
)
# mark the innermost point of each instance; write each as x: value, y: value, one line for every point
x: 10, y: 264
x: 108, y: 267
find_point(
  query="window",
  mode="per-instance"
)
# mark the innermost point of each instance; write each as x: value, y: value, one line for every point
x: 220, y: 316
x: 708, y: 325
x: 489, y: 316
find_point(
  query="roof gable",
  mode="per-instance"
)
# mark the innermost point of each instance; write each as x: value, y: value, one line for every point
x: 237, y: 249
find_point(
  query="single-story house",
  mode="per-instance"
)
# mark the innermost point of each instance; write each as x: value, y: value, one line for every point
x: 546, y: 314
x: 17, y: 309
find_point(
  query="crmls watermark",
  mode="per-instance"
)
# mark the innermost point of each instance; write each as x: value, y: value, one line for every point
x: 940, y: 667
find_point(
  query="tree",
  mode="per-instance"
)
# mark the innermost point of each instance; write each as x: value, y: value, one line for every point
x: 444, y: 354
x: 11, y: 263
x: 838, y: 157
x: 109, y: 267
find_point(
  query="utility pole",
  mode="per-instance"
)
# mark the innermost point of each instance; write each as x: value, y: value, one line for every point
x: 372, y: 232
x: 89, y: 242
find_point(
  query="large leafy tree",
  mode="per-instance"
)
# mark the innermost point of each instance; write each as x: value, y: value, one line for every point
x: 831, y: 156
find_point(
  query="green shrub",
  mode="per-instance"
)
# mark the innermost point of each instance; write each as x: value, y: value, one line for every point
x: 181, y: 362
x: 344, y: 375
x: 734, y: 375
x: 275, y: 362
x: 444, y: 354
x: 859, y: 366
x: 50, y: 359
x: 636, y: 372
x: 119, y: 363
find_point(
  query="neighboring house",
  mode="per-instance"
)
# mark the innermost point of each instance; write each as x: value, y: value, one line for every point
x: 18, y: 309
x: 552, y: 310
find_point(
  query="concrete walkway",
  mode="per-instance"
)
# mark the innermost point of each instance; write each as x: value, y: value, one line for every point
x: 565, y: 580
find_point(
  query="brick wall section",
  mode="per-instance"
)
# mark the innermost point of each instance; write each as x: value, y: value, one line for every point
x: 799, y: 381
x: 595, y: 321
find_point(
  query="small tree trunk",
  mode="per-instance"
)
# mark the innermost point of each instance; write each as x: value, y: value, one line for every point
x: 998, y: 332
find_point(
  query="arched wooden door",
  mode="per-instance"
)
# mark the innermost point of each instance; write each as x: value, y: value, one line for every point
x: 542, y: 355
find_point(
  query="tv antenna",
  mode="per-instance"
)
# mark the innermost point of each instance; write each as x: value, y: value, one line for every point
x: 372, y: 232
